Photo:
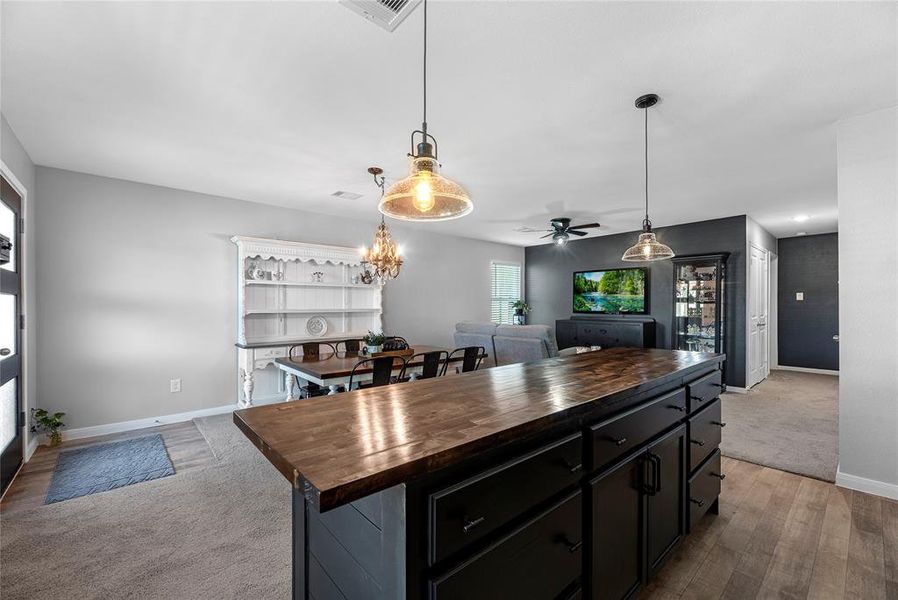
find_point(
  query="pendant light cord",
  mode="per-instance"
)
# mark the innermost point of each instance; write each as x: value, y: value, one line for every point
x: 646, y: 223
x: 424, y: 123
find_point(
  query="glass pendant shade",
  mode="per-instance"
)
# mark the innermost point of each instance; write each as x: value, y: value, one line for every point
x: 647, y: 248
x: 425, y: 195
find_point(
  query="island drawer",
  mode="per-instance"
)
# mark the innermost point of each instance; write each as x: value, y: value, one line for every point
x: 539, y: 560
x: 704, y: 434
x: 471, y: 510
x: 704, y: 488
x: 704, y: 389
x: 617, y: 436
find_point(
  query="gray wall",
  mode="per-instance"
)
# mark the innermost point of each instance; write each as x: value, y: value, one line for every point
x: 868, y: 288
x: 549, y: 270
x: 137, y: 285
x: 19, y: 163
x: 809, y: 264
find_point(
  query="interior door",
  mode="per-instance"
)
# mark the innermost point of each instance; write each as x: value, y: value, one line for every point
x: 758, y: 305
x: 11, y: 420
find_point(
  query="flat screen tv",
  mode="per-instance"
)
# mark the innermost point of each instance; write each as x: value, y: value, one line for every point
x: 612, y: 291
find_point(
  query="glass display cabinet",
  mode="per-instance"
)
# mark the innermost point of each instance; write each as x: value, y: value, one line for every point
x: 699, y: 303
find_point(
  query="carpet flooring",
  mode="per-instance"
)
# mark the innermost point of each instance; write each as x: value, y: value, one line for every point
x: 218, y: 532
x: 789, y: 422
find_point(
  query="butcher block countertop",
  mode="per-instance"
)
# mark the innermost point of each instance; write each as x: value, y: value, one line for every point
x: 341, y: 448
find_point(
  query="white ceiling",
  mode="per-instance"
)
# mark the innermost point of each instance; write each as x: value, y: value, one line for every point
x: 531, y: 102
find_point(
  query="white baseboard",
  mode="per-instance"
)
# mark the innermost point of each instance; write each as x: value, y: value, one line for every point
x: 95, y: 430
x: 736, y: 390
x: 870, y: 486
x: 806, y: 370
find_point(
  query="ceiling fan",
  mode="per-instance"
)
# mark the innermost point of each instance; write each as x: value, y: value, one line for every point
x: 562, y: 230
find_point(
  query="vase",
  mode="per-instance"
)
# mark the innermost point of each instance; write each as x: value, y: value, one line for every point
x: 55, y: 438
x: 373, y: 349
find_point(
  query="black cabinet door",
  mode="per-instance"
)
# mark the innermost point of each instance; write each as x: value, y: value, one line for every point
x: 665, y: 496
x: 566, y: 334
x: 615, y: 501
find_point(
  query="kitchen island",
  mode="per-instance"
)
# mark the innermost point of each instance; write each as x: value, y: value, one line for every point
x: 563, y: 478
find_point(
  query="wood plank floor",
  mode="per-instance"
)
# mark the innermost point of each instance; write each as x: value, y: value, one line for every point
x: 186, y: 447
x: 780, y: 535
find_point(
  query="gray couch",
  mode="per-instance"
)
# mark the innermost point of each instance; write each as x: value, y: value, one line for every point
x: 508, y: 344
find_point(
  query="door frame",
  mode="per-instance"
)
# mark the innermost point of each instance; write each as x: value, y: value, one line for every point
x: 29, y: 442
x: 750, y: 291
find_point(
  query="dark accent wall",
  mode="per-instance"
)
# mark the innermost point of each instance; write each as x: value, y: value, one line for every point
x: 808, y: 264
x: 549, y: 270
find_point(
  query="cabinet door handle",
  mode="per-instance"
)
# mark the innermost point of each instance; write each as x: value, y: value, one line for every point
x: 720, y: 476
x: 652, y: 477
x: 471, y: 524
x: 620, y: 442
x: 657, y: 460
x: 698, y: 442
x: 721, y: 424
x: 700, y: 503
x: 676, y: 408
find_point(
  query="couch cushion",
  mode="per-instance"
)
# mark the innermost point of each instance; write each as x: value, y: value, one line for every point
x: 476, y: 327
x: 541, y: 332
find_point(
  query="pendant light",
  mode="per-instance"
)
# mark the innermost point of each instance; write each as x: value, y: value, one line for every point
x: 425, y: 195
x: 384, y: 256
x: 647, y: 248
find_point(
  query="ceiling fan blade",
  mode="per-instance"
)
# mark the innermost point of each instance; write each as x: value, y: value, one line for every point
x: 547, y: 235
x: 576, y: 232
x: 587, y: 226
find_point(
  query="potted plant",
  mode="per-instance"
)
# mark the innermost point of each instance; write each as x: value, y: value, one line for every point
x: 373, y: 342
x: 44, y: 422
x: 521, y: 308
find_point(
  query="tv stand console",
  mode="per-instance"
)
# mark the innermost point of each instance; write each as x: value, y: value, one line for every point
x: 607, y: 331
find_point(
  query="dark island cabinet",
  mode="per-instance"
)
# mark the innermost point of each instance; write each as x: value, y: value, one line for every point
x: 637, y: 516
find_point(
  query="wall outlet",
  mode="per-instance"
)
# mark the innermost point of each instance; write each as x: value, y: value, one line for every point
x: 799, y: 296
x: 175, y: 386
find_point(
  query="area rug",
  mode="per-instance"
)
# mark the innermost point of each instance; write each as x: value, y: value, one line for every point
x: 105, y: 467
x: 789, y: 422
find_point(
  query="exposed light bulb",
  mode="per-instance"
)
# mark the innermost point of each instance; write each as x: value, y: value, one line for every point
x: 647, y: 250
x: 424, y: 195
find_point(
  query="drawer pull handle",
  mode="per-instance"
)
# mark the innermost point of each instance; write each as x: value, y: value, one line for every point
x: 469, y: 525
x: 574, y: 547
x: 575, y: 468
x: 718, y: 385
x: 697, y: 398
x: 719, y: 423
x: 720, y: 476
x: 698, y: 442
x: 620, y: 442
x: 677, y: 408
x: 700, y: 503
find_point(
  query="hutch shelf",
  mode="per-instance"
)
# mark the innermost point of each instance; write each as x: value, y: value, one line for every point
x: 293, y: 292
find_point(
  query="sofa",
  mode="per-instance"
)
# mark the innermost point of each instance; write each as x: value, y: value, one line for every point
x: 509, y: 344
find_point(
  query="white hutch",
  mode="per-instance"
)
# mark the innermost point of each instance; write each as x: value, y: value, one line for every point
x: 290, y: 293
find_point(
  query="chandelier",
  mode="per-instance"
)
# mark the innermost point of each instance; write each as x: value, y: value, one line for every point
x: 382, y: 261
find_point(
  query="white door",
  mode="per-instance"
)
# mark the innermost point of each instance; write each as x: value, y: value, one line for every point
x: 758, y: 308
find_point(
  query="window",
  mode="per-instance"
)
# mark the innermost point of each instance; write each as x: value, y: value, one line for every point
x: 505, y: 286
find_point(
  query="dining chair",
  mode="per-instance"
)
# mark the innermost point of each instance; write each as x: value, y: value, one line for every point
x: 394, y: 341
x: 433, y: 364
x: 312, y: 350
x: 471, y: 357
x: 348, y: 346
x: 382, y: 368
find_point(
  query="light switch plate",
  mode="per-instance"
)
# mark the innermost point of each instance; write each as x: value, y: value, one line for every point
x: 175, y: 386
x: 799, y: 296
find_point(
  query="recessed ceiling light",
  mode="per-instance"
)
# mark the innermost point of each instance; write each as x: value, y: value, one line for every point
x: 346, y: 195
x: 800, y: 218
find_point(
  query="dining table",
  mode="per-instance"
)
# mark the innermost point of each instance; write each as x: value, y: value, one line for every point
x: 332, y: 369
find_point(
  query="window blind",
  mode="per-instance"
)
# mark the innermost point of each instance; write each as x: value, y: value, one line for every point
x: 505, y: 284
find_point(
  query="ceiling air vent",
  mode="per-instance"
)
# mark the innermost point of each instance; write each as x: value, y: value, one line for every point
x: 385, y: 13
x: 346, y: 195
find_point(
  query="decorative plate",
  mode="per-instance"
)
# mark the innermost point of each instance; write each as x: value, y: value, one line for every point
x: 316, y: 326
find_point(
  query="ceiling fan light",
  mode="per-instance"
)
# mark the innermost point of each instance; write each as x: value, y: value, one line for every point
x: 647, y: 249
x: 425, y: 195
x: 560, y: 239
